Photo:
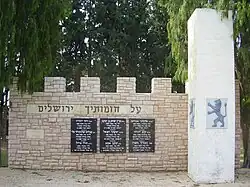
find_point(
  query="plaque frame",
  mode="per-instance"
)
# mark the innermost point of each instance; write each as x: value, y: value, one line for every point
x: 93, y: 136
x: 124, y: 136
x: 152, y: 133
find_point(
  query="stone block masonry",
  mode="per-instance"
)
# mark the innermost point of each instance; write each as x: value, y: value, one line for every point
x: 40, y: 126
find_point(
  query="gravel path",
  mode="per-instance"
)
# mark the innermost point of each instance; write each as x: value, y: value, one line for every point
x: 29, y: 178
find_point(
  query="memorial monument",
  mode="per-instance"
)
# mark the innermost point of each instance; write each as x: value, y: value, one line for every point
x: 211, y: 89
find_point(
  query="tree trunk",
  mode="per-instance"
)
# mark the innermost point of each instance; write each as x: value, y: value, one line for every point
x: 245, y: 138
x: 246, y: 146
x: 77, y: 80
x: 248, y: 151
x: 1, y: 125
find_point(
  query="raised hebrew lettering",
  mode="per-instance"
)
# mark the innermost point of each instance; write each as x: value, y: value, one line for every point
x: 116, y: 109
x: 106, y: 109
x: 88, y: 109
x: 68, y: 108
x: 56, y: 108
x: 40, y: 108
x: 49, y: 108
x: 132, y: 108
x: 96, y: 109
x: 102, y: 109
x: 92, y: 108
x: 136, y: 109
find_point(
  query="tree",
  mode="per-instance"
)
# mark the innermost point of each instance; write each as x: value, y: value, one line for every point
x: 114, y: 38
x: 179, y: 12
x: 29, y: 39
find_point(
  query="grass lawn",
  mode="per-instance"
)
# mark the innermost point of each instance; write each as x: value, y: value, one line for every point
x: 4, y: 158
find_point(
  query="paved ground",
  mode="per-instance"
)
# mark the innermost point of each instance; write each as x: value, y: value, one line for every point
x: 21, y: 178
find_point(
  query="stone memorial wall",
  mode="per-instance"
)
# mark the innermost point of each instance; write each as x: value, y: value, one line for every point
x: 94, y: 131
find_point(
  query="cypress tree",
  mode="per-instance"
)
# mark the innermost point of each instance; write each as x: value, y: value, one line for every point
x: 29, y: 40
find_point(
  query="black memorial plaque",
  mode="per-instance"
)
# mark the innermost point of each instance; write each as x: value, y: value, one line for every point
x: 141, y: 135
x: 112, y: 135
x: 83, y: 134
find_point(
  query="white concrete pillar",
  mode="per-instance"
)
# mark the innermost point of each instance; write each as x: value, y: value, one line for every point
x: 211, y: 87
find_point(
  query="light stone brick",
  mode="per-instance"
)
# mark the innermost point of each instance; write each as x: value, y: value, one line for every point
x: 40, y: 140
x: 35, y: 134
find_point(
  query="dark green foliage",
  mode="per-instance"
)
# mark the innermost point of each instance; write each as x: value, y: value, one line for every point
x: 30, y: 36
x: 115, y: 38
x: 179, y: 12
